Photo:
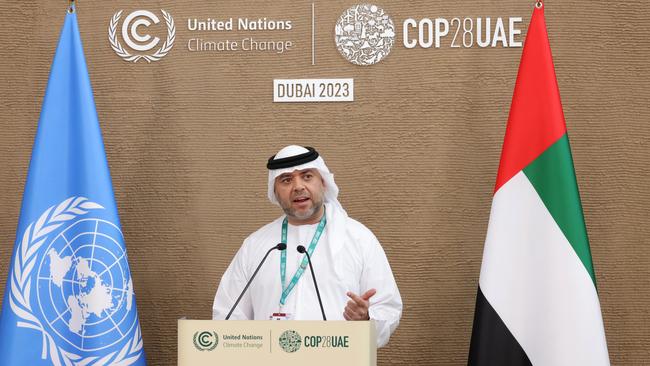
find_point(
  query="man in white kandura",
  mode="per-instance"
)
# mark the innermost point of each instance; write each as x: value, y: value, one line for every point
x: 352, y: 272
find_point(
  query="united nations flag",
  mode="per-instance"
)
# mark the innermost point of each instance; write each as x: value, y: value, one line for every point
x: 69, y: 291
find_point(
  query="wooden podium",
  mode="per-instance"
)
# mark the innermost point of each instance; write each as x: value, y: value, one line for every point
x: 282, y: 343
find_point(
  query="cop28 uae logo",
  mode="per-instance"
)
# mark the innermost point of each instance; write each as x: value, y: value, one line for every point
x: 290, y: 341
x: 364, y: 34
x: 142, y: 45
x: 71, y: 282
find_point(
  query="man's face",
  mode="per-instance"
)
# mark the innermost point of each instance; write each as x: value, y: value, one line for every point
x: 300, y: 194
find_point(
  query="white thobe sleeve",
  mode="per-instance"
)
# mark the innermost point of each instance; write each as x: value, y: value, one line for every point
x: 231, y: 285
x: 386, y: 305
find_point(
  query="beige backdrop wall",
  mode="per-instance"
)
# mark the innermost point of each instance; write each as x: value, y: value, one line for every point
x: 415, y: 155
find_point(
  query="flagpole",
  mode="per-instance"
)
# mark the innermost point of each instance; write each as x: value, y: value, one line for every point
x: 71, y: 6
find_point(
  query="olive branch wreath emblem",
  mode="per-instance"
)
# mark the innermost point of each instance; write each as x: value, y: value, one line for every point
x: 21, y: 274
x: 126, y: 55
x: 205, y: 347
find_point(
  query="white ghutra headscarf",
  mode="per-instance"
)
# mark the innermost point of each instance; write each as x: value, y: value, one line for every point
x: 305, y: 158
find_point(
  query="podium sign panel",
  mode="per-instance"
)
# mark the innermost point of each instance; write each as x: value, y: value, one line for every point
x: 286, y: 343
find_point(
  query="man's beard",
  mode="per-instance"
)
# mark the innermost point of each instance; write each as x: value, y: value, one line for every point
x: 302, y: 215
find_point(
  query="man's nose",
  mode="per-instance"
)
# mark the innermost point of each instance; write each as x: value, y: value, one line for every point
x: 298, y: 184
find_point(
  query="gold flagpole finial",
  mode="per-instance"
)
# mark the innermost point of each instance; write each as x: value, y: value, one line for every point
x: 71, y: 6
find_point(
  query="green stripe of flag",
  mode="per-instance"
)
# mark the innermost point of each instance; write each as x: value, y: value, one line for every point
x: 554, y: 179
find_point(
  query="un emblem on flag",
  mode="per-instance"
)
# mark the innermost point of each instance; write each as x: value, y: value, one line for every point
x: 84, y: 303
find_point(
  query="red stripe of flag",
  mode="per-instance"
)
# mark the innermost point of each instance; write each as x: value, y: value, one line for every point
x: 536, y: 119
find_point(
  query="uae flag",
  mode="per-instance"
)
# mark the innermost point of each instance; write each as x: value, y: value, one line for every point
x: 537, y: 301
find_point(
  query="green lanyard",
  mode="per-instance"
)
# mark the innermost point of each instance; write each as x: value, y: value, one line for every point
x: 283, y: 259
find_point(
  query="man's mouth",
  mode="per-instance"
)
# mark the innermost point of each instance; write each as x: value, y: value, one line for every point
x: 301, y: 199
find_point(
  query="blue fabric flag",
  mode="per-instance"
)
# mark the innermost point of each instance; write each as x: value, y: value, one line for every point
x: 69, y: 297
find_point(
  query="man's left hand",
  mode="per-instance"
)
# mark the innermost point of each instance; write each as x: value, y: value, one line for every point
x: 357, y: 307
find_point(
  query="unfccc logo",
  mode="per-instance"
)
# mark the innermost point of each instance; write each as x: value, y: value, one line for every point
x: 132, y: 29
